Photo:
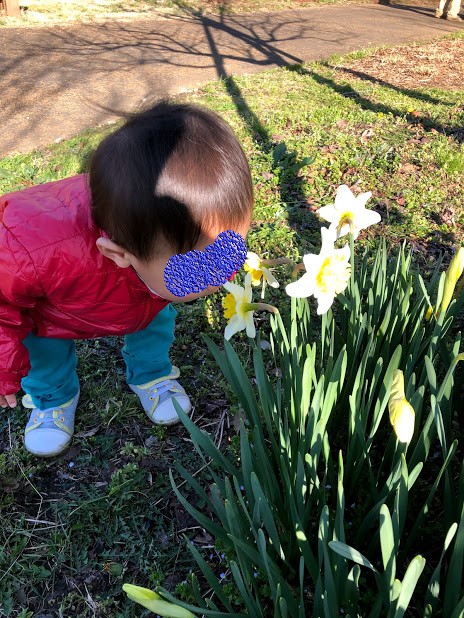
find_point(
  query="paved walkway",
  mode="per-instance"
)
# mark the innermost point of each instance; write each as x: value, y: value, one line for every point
x: 53, y: 80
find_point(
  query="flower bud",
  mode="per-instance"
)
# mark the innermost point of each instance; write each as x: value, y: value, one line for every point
x: 402, y: 415
x: 453, y: 274
x: 152, y: 601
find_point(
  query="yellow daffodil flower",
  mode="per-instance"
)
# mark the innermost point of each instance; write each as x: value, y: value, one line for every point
x: 327, y: 274
x: 453, y: 274
x: 401, y: 412
x: 349, y: 213
x: 238, y: 308
x: 155, y: 603
x: 257, y: 269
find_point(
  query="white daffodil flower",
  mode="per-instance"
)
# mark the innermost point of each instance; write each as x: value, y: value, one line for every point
x: 238, y: 309
x: 327, y: 274
x: 349, y: 213
x: 257, y: 269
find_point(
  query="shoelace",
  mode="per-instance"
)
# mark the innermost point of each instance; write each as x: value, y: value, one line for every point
x: 158, y: 389
x: 48, y: 417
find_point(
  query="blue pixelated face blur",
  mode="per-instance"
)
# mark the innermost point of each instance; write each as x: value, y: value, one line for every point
x: 196, y: 271
x: 186, y: 276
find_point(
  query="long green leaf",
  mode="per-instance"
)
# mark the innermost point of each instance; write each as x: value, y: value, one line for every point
x: 408, y: 585
x: 388, y: 546
x: 352, y: 554
x: 433, y: 589
x: 453, y: 588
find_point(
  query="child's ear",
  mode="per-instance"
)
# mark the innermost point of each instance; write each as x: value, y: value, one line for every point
x: 114, y: 252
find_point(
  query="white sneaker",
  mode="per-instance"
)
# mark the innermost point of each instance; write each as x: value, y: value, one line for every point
x: 49, y: 432
x: 157, y: 396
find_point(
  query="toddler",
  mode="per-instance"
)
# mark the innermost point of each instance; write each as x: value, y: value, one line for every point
x: 160, y: 217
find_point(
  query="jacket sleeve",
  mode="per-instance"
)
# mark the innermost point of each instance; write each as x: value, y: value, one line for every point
x: 20, y: 290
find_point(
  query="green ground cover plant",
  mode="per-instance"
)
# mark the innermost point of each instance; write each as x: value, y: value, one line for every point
x: 75, y: 529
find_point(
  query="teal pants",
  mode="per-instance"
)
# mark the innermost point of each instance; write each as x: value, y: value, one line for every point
x: 52, y: 379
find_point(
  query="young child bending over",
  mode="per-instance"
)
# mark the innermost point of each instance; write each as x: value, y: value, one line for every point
x: 161, y: 217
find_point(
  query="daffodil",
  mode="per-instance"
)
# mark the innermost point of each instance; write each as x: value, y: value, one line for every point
x: 155, y: 603
x: 258, y: 270
x: 401, y: 412
x: 238, y: 308
x: 327, y: 274
x: 453, y: 274
x: 349, y: 213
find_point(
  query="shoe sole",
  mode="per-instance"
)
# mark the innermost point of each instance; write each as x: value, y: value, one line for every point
x: 48, y: 455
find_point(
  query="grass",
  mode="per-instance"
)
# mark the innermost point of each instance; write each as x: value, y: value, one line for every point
x: 75, y: 528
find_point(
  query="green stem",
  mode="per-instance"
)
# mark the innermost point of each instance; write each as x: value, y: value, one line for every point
x: 277, y: 261
x: 260, y: 307
x: 352, y: 260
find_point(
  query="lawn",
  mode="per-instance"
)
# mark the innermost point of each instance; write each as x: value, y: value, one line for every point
x: 75, y: 528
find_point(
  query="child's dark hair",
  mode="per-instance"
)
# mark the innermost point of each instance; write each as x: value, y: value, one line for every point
x: 169, y: 173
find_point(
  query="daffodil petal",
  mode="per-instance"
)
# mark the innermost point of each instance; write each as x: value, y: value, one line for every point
x: 324, y: 303
x: 234, y: 289
x: 344, y: 252
x: 235, y: 325
x: 302, y: 288
x: 253, y: 261
x: 312, y: 262
x: 271, y: 280
x: 362, y: 198
x: 344, y: 198
x: 329, y: 213
x: 250, y: 325
x: 369, y: 217
x: 328, y: 238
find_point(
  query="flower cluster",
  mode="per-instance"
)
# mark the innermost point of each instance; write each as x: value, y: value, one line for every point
x: 327, y: 273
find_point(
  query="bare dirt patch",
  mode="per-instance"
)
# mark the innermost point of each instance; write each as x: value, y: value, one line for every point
x: 432, y: 65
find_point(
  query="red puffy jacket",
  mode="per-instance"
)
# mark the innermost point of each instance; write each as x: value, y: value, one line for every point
x: 53, y: 279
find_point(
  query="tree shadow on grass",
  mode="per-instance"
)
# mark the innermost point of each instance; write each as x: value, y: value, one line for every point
x: 285, y: 162
x: 365, y: 103
x: 290, y: 184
